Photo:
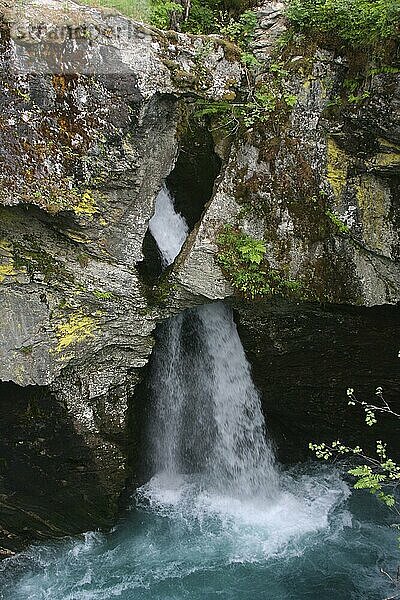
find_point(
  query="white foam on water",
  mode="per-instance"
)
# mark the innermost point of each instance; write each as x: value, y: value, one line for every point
x: 183, y: 531
x: 258, y: 528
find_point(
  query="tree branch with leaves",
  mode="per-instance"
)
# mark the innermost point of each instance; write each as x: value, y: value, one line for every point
x: 379, y: 474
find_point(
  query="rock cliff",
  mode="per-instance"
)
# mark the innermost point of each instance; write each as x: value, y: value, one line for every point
x: 318, y: 182
x: 85, y: 149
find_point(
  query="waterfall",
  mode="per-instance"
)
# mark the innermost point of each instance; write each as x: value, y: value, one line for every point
x: 168, y: 227
x: 242, y: 458
x: 206, y: 414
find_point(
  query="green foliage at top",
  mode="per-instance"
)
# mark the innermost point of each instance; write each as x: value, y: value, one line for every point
x: 211, y: 16
x: 241, y: 30
x: 229, y: 18
x: 357, y: 23
x: 202, y: 18
x: 205, y: 16
x: 160, y: 13
x: 242, y: 258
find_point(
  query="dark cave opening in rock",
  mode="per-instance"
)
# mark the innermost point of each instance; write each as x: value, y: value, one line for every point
x: 191, y: 185
x: 20, y: 396
x: 192, y: 180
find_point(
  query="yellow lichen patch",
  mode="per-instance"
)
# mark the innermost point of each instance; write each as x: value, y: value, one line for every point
x: 7, y: 266
x: 73, y: 235
x: 5, y: 245
x: 7, y: 271
x: 77, y: 329
x: 60, y: 84
x: 375, y: 205
x: 337, y: 165
x: 387, y: 160
x: 229, y: 95
x: 86, y: 205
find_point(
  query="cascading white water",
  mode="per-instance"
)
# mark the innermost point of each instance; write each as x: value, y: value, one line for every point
x: 168, y: 227
x: 206, y: 411
x: 243, y: 459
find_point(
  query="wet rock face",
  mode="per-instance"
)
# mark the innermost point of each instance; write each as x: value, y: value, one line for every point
x: 50, y: 482
x: 318, y: 182
x: 84, y: 153
x: 304, y: 358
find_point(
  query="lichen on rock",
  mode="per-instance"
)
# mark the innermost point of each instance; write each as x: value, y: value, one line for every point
x: 75, y: 330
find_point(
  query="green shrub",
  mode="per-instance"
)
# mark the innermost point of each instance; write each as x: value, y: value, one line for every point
x: 160, y: 13
x: 203, y: 17
x: 358, y: 23
x: 379, y: 474
x: 241, y: 30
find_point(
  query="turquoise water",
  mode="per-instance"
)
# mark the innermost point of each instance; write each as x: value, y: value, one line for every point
x: 221, y: 520
x: 315, y: 541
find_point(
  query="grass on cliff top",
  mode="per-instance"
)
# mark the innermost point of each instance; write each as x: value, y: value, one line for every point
x: 205, y: 16
x: 136, y: 9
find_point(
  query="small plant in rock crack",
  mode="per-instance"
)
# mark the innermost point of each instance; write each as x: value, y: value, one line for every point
x: 242, y: 258
x: 260, y: 106
x: 337, y: 221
